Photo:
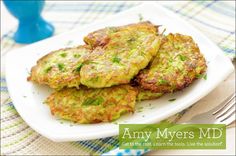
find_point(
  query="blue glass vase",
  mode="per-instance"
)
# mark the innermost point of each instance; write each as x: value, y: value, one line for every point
x: 32, y: 27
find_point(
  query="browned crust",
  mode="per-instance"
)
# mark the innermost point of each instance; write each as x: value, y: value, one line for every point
x: 142, y: 78
x: 101, y: 38
x: 60, y: 107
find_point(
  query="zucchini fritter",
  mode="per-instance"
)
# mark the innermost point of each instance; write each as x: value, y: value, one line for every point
x: 92, y: 105
x: 103, y: 36
x: 118, y: 54
x: 144, y: 94
x: 177, y: 64
x: 60, y: 68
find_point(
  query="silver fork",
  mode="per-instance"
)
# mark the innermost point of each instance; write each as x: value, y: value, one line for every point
x: 224, y: 113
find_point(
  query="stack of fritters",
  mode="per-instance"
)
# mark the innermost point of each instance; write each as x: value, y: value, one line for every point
x: 93, y: 81
x: 119, y: 53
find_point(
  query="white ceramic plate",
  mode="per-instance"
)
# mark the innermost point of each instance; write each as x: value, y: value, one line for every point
x: 28, y: 97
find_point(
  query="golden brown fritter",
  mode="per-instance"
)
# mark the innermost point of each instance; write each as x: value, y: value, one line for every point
x: 92, y: 105
x: 103, y: 36
x: 118, y: 54
x: 60, y: 68
x: 177, y: 63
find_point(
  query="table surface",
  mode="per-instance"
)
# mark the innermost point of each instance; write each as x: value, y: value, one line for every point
x: 214, y: 19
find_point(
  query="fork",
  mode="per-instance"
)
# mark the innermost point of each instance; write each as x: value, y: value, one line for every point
x: 224, y: 113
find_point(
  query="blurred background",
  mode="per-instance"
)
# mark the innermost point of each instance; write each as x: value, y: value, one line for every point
x: 215, y: 19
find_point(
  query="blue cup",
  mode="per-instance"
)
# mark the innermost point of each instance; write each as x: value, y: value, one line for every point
x: 32, y: 27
